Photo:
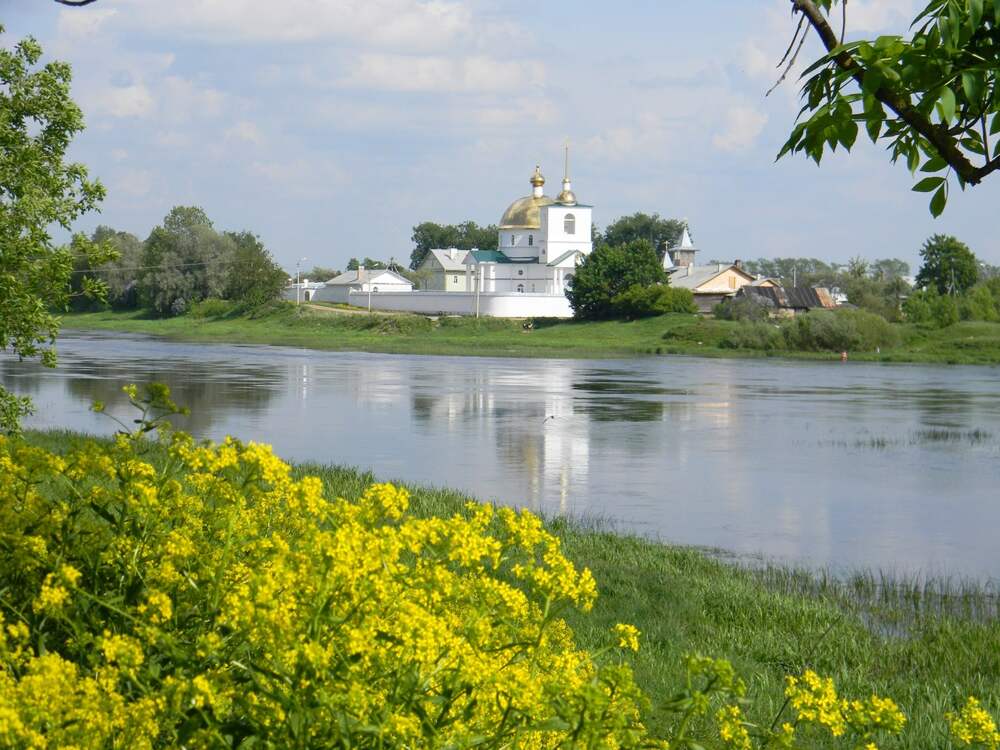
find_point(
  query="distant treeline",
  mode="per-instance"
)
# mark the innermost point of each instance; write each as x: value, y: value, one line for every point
x: 183, y: 261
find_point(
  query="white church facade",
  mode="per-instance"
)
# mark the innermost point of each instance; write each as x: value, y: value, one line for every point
x: 541, y: 240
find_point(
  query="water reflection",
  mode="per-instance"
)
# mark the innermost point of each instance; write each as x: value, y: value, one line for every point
x: 859, y: 465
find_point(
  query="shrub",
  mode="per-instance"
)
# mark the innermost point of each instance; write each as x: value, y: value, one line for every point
x: 640, y: 301
x: 741, y: 308
x: 212, y: 308
x: 840, y: 330
x: 754, y: 335
x: 978, y: 304
x: 609, y: 271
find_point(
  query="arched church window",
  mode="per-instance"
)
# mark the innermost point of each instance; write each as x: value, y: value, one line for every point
x: 513, y: 240
x: 375, y: 289
x: 307, y: 296
x: 569, y: 224
x: 520, y: 272
x: 531, y: 240
x: 520, y: 288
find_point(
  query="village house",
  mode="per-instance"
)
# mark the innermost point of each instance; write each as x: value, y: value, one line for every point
x: 364, y: 281
x: 781, y: 302
x: 710, y: 284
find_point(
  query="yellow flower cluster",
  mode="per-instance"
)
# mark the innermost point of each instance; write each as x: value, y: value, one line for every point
x: 815, y: 701
x: 732, y: 730
x: 187, y: 592
x: 628, y: 636
x: 973, y: 726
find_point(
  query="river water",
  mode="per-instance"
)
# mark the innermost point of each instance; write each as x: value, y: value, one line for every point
x: 893, y: 467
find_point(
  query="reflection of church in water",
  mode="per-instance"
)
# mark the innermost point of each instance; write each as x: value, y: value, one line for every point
x: 543, y: 442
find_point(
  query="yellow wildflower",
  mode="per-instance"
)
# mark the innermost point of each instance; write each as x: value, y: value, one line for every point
x: 973, y: 725
x: 628, y: 636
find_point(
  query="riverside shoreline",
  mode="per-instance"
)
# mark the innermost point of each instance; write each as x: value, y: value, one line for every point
x: 330, y: 328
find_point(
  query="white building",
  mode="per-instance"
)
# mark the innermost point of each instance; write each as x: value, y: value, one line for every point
x: 541, y: 240
x: 303, y: 291
x: 362, y: 281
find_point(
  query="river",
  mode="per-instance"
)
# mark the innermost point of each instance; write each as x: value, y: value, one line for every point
x: 891, y: 467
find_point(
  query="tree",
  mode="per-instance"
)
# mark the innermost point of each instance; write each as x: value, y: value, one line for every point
x: 372, y: 265
x: 320, y: 273
x: 119, y: 275
x: 933, y: 97
x: 465, y: 236
x: 949, y: 266
x: 610, y: 270
x: 38, y: 189
x: 660, y: 233
x: 886, y: 269
x: 185, y: 261
x: 253, y: 277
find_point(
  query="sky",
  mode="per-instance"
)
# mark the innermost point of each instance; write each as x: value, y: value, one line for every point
x: 331, y: 127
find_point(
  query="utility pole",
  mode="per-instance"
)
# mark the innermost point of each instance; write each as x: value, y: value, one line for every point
x: 298, y: 282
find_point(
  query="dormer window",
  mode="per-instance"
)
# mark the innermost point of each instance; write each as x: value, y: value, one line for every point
x: 531, y: 240
x: 569, y: 224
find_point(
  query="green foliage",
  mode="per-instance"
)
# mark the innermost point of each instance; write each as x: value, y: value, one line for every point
x: 949, y: 265
x: 840, y: 330
x: 659, y: 232
x: 609, y: 271
x: 185, y: 261
x: 465, y: 236
x: 754, y: 335
x: 320, y: 273
x: 38, y: 189
x: 741, y: 308
x: 118, y: 275
x: 979, y: 304
x: 933, y: 97
x: 372, y: 265
x: 213, y: 308
x: 253, y: 277
x: 644, y: 301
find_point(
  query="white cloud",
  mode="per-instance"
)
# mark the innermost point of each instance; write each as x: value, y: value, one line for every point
x: 646, y: 135
x: 183, y: 99
x: 300, y: 177
x: 74, y: 24
x: 880, y: 15
x: 246, y: 131
x: 134, y: 183
x: 443, y: 74
x: 743, y: 125
x: 422, y: 25
x: 124, y: 101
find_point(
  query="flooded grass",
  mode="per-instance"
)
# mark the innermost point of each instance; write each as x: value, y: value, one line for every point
x: 918, y: 438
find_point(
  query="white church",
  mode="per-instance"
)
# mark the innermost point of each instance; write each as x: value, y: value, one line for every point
x: 540, y: 242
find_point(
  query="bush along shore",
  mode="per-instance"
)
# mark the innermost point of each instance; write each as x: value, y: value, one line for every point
x: 179, y: 593
x: 817, y: 335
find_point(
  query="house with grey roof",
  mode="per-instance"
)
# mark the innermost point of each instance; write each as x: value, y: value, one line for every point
x: 373, y: 280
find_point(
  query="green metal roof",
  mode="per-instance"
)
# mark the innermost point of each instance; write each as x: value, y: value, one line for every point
x: 490, y: 256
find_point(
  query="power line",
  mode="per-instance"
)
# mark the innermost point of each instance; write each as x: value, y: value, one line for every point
x: 165, y: 267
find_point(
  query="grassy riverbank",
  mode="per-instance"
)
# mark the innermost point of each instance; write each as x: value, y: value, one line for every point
x: 329, y: 328
x: 927, y: 647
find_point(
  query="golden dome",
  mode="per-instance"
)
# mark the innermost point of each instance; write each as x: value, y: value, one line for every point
x: 525, y: 213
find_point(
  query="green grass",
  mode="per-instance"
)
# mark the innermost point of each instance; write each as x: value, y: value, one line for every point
x: 338, y: 329
x: 928, y: 644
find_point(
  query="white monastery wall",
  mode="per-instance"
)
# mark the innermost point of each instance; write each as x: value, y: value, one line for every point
x: 464, y: 303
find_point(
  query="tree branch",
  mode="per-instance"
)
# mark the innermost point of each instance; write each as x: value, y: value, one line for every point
x: 936, y: 135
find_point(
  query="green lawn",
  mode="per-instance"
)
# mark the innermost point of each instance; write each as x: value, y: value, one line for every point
x: 331, y: 328
x: 928, y: 647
